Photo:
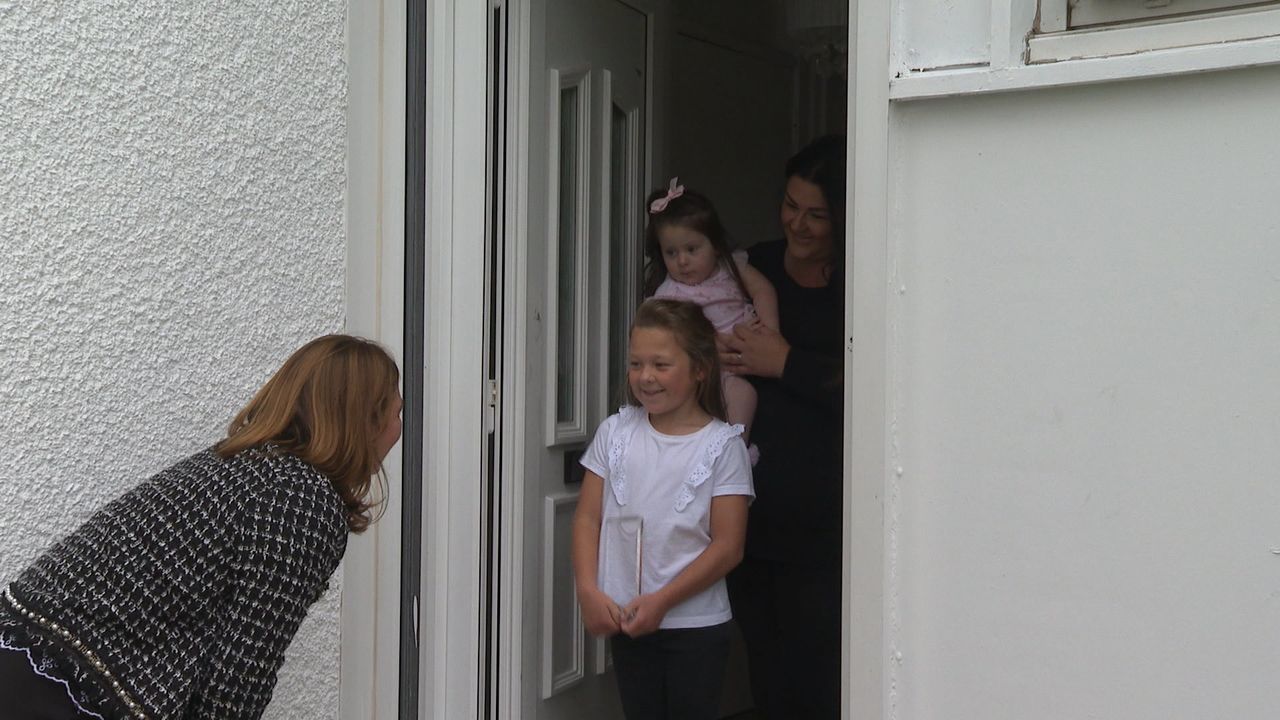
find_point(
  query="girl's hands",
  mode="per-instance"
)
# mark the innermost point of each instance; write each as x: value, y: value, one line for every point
x: 600, y: 614
x: 604, y: 618
x: 642, y: 615
x: 753, y: 349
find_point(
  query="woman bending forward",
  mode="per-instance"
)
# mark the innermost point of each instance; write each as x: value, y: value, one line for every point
x: 178, y: 599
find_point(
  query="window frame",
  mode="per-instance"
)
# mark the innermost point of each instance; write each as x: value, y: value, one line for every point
x: 1055, y: 40
x: 1024, y: 56
x: 574, y: 429
x: 1064, y: 15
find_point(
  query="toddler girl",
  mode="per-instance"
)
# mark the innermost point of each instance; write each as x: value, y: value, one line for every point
x: 662, y: 518
x: 687, y: 257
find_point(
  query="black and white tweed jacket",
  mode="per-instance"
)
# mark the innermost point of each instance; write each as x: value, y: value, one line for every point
x: 178, y: 599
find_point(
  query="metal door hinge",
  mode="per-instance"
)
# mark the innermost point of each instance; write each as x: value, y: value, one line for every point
x: 491, y: 407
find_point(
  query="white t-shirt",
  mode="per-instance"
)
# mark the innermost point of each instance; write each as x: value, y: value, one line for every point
x: 662, y: 485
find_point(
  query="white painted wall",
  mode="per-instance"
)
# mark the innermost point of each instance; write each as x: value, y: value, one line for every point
x: 941, y: 33
x: 172, y: 226
x: 1084, y: 401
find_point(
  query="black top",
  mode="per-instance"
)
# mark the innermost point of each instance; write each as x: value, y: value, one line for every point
x: 796, y: 516
x: 179, y: 598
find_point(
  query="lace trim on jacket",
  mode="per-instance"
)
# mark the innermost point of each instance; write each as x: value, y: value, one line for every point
x: 53, y: 658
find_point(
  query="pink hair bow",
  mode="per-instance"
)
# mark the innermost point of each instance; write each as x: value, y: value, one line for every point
x: 673, y: 192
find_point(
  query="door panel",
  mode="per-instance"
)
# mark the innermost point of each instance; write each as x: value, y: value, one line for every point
x: 586, y: 177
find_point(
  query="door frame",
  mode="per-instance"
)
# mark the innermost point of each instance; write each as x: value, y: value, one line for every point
x: 368, y: 685
x: 868, y: 680
x: 455, y: 386
x: 514, y: 437
x: 453, y: 439
x: 453, y: 378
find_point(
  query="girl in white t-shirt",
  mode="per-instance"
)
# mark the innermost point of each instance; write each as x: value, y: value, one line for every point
x: 662, y: 519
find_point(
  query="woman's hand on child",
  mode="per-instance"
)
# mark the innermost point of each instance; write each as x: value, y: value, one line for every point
x: 753, y: 349
x: 643, y: 615
x: 600, y: 614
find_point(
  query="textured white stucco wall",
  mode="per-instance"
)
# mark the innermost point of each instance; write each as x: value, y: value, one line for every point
x: 172, y: 180
x: 1085, y: 402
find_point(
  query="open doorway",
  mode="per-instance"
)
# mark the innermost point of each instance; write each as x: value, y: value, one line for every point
x: 746, y: 85
x: 610, y: 98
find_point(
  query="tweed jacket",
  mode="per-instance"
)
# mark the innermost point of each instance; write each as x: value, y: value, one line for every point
x: 178, y: 599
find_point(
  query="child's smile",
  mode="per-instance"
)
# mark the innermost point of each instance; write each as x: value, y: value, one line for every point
x: 662, y: 378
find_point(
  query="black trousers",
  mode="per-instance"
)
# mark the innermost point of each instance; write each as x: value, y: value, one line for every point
x: 29, y: 696
x: 790, y: 619
x: 672, y: 674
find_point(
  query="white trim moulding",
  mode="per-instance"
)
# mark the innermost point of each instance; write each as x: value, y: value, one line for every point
x: 1179, y: 33
x: 1155, y: 63
x: 578, y: 428
x: 556, y: 680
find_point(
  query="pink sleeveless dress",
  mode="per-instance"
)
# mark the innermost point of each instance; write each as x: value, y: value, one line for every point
x: 719, y: 296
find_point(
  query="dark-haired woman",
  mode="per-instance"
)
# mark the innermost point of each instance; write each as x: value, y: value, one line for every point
x: 786, y: 592
x: 178, y: 599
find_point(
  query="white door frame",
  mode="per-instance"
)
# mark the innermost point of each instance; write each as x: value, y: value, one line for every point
x: 867, y: 682
x: 510, y: 640
x: 457, y: 84
x: 454, y: 383
x: 457, y: 96
x: 370, y: 619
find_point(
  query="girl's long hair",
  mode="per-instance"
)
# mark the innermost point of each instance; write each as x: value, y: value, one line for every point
x: 692, y: 210
x: 327, y: 405
x: 696, y: 336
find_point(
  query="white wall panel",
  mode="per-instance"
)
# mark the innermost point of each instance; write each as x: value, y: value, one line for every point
x: 1086, y: 401
x: 941, y: 33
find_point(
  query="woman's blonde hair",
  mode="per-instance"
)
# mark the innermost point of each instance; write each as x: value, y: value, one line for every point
x: 327, y: 405
x: 695, y: 334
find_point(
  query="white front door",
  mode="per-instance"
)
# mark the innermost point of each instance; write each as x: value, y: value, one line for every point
x: 585, y: 177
